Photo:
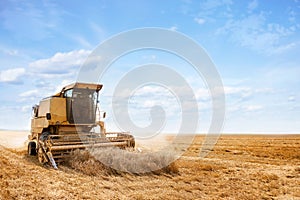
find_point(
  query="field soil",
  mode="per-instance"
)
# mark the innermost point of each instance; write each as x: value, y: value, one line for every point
x: 239, y: 167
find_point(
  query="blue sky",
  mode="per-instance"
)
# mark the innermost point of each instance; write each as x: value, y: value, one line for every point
x: 255, y: 46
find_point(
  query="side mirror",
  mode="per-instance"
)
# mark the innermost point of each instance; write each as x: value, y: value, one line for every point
x: 48, y: 116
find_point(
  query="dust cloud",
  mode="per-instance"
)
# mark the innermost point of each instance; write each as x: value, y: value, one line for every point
x: 13, y: 139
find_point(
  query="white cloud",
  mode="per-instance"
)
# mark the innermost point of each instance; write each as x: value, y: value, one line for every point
x: 199, y: 20
x: 202, y: 94
x: 29, y: 93
x: 242, y: 108
x: 251, y: 108
x: 174, y: 28
x: 60, y: 63
x: 12, y: 75
x: 292, y: 98
x: 283, y: 48
x: 241, y: 91
x: 10, y: 52
x: 282, y: 74
x: 63, y: 84
x: 241, y: 99
x: 51, y: 74
x: 31, y: 96
x: 212, y: 4
x: 252, y: 5
x: 34, y: 95
x: 211, y: 10
x: 254, y: 32
x: 26, y: 109
x: 81, y: 41
x: 292, y: 15
x: 146, y: 98
x: 99, y: 30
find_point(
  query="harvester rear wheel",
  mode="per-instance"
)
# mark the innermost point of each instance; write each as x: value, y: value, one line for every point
x: 31, y: 148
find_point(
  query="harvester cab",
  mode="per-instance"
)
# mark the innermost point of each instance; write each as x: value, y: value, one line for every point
x: 67, y: 121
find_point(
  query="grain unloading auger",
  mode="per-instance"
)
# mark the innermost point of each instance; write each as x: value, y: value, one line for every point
x: 71, y: 120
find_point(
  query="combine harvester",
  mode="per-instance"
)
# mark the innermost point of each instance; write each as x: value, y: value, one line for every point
x: 68, y: 121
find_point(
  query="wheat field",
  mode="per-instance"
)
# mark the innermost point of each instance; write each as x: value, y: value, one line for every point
x: 239, y: 167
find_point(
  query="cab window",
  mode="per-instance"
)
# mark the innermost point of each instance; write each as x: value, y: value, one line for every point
x: 68, y: 93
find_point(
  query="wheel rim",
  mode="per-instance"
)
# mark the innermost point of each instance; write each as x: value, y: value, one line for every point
x: 41, y: 156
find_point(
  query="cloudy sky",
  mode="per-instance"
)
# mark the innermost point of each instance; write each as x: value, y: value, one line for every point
x: 255, y: 46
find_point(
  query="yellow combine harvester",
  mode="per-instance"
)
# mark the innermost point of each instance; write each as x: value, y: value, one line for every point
x: 69, y: 120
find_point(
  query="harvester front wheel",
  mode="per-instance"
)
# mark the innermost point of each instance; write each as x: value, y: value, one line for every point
x: 41, y: 156
x: 32, y: 148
